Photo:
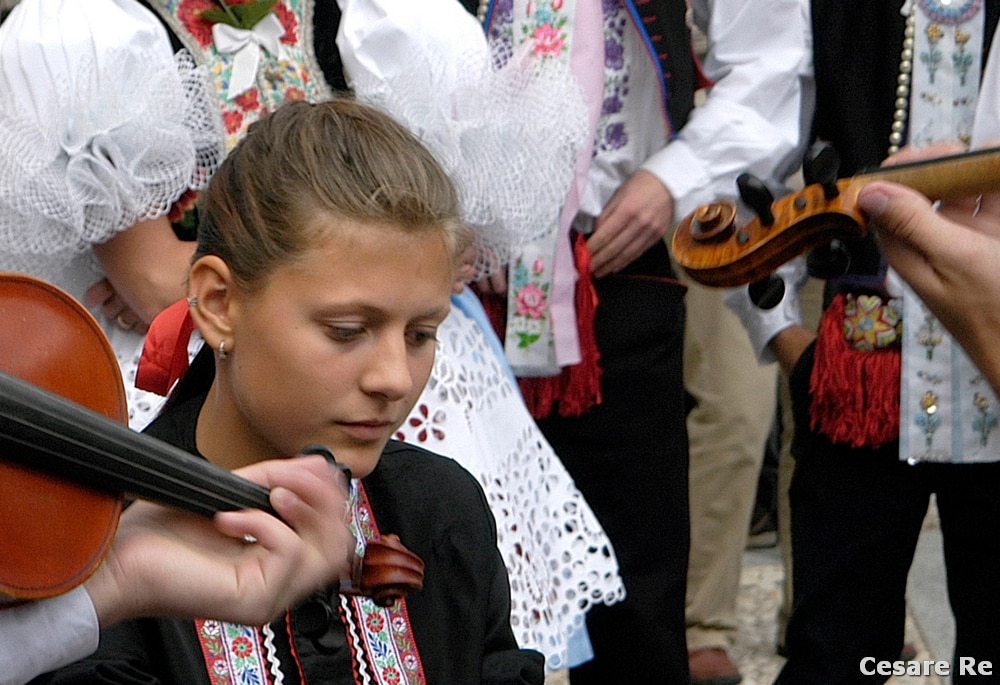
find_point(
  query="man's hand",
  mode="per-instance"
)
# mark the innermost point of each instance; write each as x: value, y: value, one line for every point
x: 951, y: 258
x: 639, y: 213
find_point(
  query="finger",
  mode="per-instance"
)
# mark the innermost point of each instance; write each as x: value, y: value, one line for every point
x: 908, y: 230
x: 900, y: 214
x: 498, y: 281
x: 98, y: 293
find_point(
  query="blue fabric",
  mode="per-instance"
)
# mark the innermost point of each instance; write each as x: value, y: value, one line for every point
x: 468, y: 303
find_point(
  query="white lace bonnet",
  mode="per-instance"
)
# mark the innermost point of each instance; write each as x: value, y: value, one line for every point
x: 101, y: 125
x: 505, y: 127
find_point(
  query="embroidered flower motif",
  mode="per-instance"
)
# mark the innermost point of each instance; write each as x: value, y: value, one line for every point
x: 615, y: 136
x: 869, y: 323
x: 233, y: 121
x: 220, y: 668
x: 929, y: 421
x: 242, y: 647
x: 375, y: 622
x: 248, y: 100
x: 425, y: 424
x: 531, y: 302
x: 211, y: 628
x: 391, y: 675
x: 985, y: 421
x: 548, y: 41
x: 614, y: 52
x: 545, y: 28
x: 189, y: 15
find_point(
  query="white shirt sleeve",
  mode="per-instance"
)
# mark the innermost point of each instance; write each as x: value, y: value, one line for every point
x: 756, y: 116
x: 41, y: 636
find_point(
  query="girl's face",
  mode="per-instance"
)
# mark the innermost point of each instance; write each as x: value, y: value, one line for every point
x: 334, y: 349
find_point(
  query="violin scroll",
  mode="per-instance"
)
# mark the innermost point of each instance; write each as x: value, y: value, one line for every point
x: 387, y: 571
x: 749, y: 253
x: 824, y: 214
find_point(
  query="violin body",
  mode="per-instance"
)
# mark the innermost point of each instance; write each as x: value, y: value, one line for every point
x: 53, y: 533
x: 714, y: 251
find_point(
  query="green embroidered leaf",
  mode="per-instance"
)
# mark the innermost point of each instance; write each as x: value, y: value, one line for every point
x: 526, y: 339
x: 251, y: 13
x: 216, y: 15
x: 244, y: 16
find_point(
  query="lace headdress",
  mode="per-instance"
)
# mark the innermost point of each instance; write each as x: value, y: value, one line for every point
x: 506, y: 128
x: 102, y: 126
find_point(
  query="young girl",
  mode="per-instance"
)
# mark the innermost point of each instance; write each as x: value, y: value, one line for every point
x: 328, y: 245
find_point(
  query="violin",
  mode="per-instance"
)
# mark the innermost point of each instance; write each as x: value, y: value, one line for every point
x: 68, y: 458
x: 710, y: 246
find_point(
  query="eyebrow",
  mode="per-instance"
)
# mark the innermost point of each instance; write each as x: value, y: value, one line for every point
x: 378, y: 312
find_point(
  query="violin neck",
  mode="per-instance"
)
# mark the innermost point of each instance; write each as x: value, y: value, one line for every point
x: 950, y: 177
x: 44, y: 431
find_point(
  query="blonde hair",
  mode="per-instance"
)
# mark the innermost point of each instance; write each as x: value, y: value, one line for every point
x: 342, y: 158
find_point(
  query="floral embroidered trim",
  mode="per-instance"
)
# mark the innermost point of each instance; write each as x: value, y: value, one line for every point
x: 530, y: 288
x: 292, y: 75
x: 381, y: 638
x: 233, y: 653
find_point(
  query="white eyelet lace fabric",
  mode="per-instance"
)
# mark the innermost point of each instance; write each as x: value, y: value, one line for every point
x: 558, y: 558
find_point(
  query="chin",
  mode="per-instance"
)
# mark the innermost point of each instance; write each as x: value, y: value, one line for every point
x: 361, y: 460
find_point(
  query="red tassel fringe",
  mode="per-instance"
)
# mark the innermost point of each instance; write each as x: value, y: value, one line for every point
x: 855, y: 394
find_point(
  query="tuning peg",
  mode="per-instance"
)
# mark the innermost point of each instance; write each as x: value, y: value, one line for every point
x: 829, y: 261
x: 767, y: 292
x: 821, y: 165
x: 757, y: 196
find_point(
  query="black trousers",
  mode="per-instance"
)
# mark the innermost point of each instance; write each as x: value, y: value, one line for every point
x: 856, y: 517
x: 629, y: 458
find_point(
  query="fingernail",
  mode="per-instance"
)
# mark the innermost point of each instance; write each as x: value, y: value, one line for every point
x: 872, y: 201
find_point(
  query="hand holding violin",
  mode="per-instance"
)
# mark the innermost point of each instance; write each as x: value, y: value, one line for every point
x: 950, y: 257
x: 165, y: 561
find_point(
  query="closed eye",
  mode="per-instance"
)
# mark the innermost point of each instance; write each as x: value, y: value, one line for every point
x: 421, y: 336
x: 345, y: 334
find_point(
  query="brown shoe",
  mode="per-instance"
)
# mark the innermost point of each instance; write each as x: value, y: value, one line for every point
x: 712, y: 666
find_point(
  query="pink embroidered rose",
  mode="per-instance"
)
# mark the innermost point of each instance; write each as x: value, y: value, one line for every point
x: 539, y: 265
x: 531, y: 302
x: 548, y: 41
x: 557, y: 4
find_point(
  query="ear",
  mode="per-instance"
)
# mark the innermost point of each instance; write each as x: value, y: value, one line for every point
x: 211, y: 283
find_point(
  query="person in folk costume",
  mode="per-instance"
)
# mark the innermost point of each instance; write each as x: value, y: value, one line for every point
x: 888, y: 409
x: 104, y: 141
x: 560, y: 561
x: 328, y: 245
x: 603, y: 374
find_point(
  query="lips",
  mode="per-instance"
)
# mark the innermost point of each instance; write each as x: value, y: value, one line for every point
x: 368, y: 430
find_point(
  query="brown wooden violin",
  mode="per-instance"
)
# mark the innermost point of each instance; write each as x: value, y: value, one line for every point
x: 714, y: 251
x: 67, y: 458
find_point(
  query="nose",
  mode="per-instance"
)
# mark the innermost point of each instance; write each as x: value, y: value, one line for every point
x: 389, y: 374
